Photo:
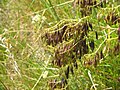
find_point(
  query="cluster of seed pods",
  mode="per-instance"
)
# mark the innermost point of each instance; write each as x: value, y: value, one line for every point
x: 75, y: 48
x: 87, y: 5
x: 111, y: 18
x: 66, y: 54
x: 57, y: 83
x: 95, y: 60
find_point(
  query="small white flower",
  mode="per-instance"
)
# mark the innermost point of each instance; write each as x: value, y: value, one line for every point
x: 38, y: 18
x: 5, y: 29
x: 45, y: 74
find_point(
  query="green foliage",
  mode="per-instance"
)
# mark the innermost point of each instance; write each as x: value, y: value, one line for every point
x: 59, y: 44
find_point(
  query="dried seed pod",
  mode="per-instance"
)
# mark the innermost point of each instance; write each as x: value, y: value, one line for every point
x: 92, y: 46
x: 101, y: 55
x: 114, y: 19
x: 85, y: 49
x: 63, y: 82
x: 119, y: 33
x: 53, y: 84
x: 116, y: 49
x: 90, y: 62
x: 76, y: 65
x: 90, y: 25
x: 59, y: 63
x: 101, y: 4
x: 97, y: 55
x: 96, y: 34
x: 85, y: 28
x: 67, y: 72
x: 71, y: 69
x: 63, y: 30
x: 95, y: 62
x: 83, y: 42
x: 95, y: 2
x: 80, y: 53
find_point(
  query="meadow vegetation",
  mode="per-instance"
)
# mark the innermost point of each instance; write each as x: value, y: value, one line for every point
x: 59, y: 45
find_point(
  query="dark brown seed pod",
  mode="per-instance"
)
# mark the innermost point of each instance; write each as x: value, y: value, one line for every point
x: 116, y: 49
x: 63, y: 82
x: 90, y: 62
x: 96, y: 34
x: 85, y: 28
x: 71, y: 69
x: 119, y: 33
x: 95, y: 62
x: 114, y: 19
x: 48, y: 41
x: 83, y: 42
x: 53, y: 84
x: 80, y: 53
x: 63, y: 30
x: 101, y: 4
x: 90, y: 25
x: 95, y: 2
x: 101, y: 55
x: 91, y: 44
x: 67, y: 72
x: 76, y: 65
x: 85, y: 49
x: 59, y: 63
x: 107, y: 18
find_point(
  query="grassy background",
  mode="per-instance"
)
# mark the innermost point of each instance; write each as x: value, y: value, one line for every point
x: 26, y: 65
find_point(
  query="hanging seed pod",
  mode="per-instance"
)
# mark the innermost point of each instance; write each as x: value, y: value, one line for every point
x: 91, y: 44
x: 63, y: 30
x: 85, y: 28
x: 76, y: 65
x: 96, y: 34
x: 56, y: 39
x: 50, y: 83
x: 53, y: 84
x: 97, y: 55
x: 63, y: 82
x: 71, y: 69
x: 95, y: 62
x: 95, y: 2
x: 83, y: 42
x: 101, y: 4
x: 114, y: 19
x: 116, y: 49
x: 67, y: 72
x: 59, y: 63
x: 80, y: 53
x: 72, y: 56
x: 90, y: 62
x: 119, y: 33
x: 85, y: 49
x: 90, y: 25
x: 53, y: 62
x: 101, y: 55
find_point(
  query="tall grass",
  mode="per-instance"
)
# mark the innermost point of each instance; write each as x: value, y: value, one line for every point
x: 25, y: 63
